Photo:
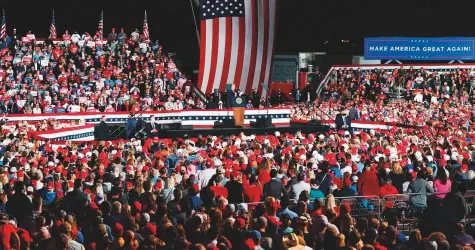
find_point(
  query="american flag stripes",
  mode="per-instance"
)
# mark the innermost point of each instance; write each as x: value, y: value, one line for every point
x: 52, y: 28
x: 101, y: 25
x: 3, y: 31
x: 237, y: 41
x: 145, y: 28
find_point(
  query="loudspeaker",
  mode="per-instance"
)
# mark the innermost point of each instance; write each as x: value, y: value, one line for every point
x: 171, y: 126
x: 314, y: 122
x: 229, y: 123
x: 226, y: 123
x: 262, y: 123
x: 186, y: 127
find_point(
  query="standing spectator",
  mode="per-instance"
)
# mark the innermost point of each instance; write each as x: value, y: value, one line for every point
x: 252, y: 192
x: 387, y: 188
x: 301, y: 185
x: 112, y: 36
x: 346, y: 190
x: 131, y: 124
x: 135, y: 35
x: 235, y: 189
x: 353, y: 114
x: 274, y: 188
x: 455, y: 204
x: 121, y: 37
x: 76, y: 200
x: 397, y: 177
x: 368, y: 183
x: 66, y: 38
x: 8, y: 234
x: 420, y: 187
x: 19, y: 205
x: 442, y: 184
x: 342, y: 122
x: 102, y: 130
x: 205, y: 175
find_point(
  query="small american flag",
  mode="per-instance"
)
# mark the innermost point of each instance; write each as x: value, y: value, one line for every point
x: 52, y: 28
x: 101, y: 25
x: 3, y: 32
x: 145, y: 28
x: 237, y: 42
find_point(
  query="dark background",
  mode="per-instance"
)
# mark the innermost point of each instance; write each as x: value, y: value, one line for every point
x: 303, y: 25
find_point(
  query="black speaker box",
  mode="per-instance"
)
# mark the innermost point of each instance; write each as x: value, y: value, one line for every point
x: 262, y: 123
x: 186, y: 127
x: 172, y: 126
x: 314, y: 122
x: 226, y: 123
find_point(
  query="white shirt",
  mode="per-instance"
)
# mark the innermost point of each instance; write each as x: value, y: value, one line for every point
x: 419, y: 79
x: 75, y: 37
x: 204, y: 176
x: 346, y: 169
x: 418, y: 98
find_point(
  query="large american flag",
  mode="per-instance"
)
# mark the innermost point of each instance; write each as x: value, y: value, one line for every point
x: 237, y: 41
x: 3, y: 31
x: 52, y: 28
x: 101, y: 25
x: 145, y: 28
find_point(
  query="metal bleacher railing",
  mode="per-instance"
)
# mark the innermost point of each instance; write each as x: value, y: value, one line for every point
x: 374, y: 206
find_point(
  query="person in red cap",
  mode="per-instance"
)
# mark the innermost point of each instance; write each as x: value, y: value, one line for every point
x: 387, y: 188
x: 368, y: 183
x: 218, y: 188
x: 252, y: 192
x: 346, y: 190
x: 8, y: 234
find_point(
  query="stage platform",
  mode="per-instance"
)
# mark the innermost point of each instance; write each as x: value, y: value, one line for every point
x: 173, y: 134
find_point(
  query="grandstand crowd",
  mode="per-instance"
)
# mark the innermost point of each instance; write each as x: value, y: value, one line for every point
x: 345, y: 189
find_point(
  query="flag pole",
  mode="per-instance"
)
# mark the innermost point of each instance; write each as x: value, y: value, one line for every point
x: 196, y: 25
x: 102, y: 18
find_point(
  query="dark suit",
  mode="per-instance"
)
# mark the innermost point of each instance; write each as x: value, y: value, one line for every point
x: 151, y: 126
x: 131, y: 126
x: 19, y: 206
x: 75, y: 202
x: 353, y: 114
x: 275, y: 189
x: 4, y: 108
x: 339, y: 122
x: 102, y: 131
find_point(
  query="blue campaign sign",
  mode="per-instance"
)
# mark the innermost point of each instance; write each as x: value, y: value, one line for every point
x: 420, y: 48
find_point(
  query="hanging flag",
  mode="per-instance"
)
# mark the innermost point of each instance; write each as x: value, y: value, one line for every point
x: 145, y: 28
x: 3, y: 32
x: 237, y: 41
x: 52, y: 28
x: 101, y: 25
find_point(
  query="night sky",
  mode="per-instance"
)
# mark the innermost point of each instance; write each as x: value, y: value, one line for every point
x: 303, y: 25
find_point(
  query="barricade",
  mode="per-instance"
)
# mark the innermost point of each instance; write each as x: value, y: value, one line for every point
x: 469, y: 199
x: 400, y: 201
x: 374, y: 206
x: 362, y: 206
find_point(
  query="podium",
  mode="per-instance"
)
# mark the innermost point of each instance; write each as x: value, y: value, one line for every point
x: 238, y: 104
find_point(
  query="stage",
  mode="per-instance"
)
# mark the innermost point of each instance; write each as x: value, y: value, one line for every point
x: 174, y: 134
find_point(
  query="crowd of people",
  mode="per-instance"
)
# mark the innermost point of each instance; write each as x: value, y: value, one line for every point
x: 234, y: 192
x: 279, y: 191
x: 88, y: 74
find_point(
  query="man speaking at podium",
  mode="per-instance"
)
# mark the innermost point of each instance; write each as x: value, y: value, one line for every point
x: 152, y: 127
